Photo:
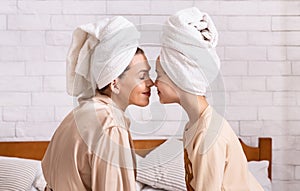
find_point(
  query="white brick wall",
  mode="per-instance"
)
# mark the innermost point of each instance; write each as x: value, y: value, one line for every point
x: 20, y: 84
x: 296, y: 68
x: 40, y: 113
x: 168, y: 7
x: 259, y: 45
x: 251, y: 128
x: 8, y: 7
x: 58, y: 38
x: 12, y: 68
x: 293, y: 53
x: 241, y: 113
x: 246, y: 23
x: 283, y: 172
x: 36, y: 68
x: 3, y: 23
x: 245, y: 53
x: 35, y: 130
x: 24, y: 53
x: 7, y: 130
x: 233, y: 83
x: 15, y: 113
x: 128, y: 7
x: 251, y: 98
x: 270, y: 68
x: 51, y: 98
x: 9, y: 98
x: 276, y: 53
x: 286, y: 23
x: 230, y: 38
x: 40, y: 7
x: 61, y: 112
x: 285, y: 98
x: 33, y: 38
x: 29, y: 22
x: 289, y: 157
x: 54, y: 83
x: 254, y: 83
x: 84, y: 7
x: 240, y: 68
x: 288, y: 143
x: 283, y: 83
x: 297, y: 173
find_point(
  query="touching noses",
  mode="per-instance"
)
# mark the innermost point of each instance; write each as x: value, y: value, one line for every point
x: 149, y: 83
x: 155, y: 83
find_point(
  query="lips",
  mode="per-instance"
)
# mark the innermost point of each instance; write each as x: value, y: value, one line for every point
x: 147, y: 93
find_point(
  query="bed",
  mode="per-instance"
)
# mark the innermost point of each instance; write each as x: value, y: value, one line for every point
x: 145, y: 148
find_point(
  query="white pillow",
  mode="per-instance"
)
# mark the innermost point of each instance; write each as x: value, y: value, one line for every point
x: 149, y: 188
x: 163, y: 167
x: 39, y: 182
x: 259, y: 170
x: 20, y: 174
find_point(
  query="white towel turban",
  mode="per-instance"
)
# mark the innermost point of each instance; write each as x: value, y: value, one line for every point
x: 99, y: 53
x: 188, y: 54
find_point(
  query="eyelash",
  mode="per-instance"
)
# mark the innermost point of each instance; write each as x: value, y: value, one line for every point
x: 144, y: 75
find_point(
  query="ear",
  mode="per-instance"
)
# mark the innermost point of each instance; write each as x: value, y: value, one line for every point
x: 115, y: 86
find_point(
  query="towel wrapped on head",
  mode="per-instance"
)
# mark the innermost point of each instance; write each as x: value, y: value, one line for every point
x: 99, y: 53
x: 188, y: 52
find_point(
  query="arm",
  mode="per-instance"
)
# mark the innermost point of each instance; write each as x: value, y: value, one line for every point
x: 209, y: 168
x: 113, y: 163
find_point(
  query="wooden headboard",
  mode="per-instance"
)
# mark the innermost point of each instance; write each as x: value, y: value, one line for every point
x: 36, y: 149
x: 262, y: 152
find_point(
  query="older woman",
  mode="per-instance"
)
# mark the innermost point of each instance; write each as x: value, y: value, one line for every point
x: 188, y: 63
x: 91, y: 149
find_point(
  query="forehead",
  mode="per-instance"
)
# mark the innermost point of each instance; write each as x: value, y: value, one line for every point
x: 139, y: 61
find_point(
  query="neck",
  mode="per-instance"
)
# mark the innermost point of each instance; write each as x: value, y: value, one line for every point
x: 121, y: 104
x: 194, y: 106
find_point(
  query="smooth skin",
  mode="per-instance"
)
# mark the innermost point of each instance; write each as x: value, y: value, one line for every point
x: 133, y: 87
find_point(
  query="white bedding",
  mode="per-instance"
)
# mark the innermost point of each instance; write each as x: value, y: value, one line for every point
x: 21, y: 174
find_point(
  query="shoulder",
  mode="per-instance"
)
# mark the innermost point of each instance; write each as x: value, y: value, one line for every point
x: 93, y: 107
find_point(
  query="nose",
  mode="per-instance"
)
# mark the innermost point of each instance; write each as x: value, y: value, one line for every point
x: 149, y: 83
x: 155, y: 83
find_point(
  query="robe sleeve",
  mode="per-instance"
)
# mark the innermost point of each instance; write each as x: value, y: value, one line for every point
x: 113, y: 163
x: 209, y: 168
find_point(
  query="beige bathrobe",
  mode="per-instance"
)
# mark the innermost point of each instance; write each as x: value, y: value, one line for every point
x: 91, y: 150
x: 214, y: 158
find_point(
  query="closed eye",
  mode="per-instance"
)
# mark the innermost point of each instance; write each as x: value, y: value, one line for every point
x: 143, y: 75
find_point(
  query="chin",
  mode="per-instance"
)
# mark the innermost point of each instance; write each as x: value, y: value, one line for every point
x: 142, y: 103
x: 162, y: 101
x: 165, y: 101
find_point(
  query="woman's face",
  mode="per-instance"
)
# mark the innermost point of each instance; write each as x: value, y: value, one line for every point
x: 166, y: 89
x: 135, y: 83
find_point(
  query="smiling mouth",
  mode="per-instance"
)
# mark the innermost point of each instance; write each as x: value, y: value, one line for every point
x: 147, y: 94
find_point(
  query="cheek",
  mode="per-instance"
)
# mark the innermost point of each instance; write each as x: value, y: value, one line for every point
x: 128, y: 86
x: 160, y: 82
x: 167, y: 93
x: 137, y: 97
x: 138, y: 89
x: 164, y: 86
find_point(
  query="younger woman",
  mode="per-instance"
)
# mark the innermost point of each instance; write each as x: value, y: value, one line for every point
x: 214, y: 158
